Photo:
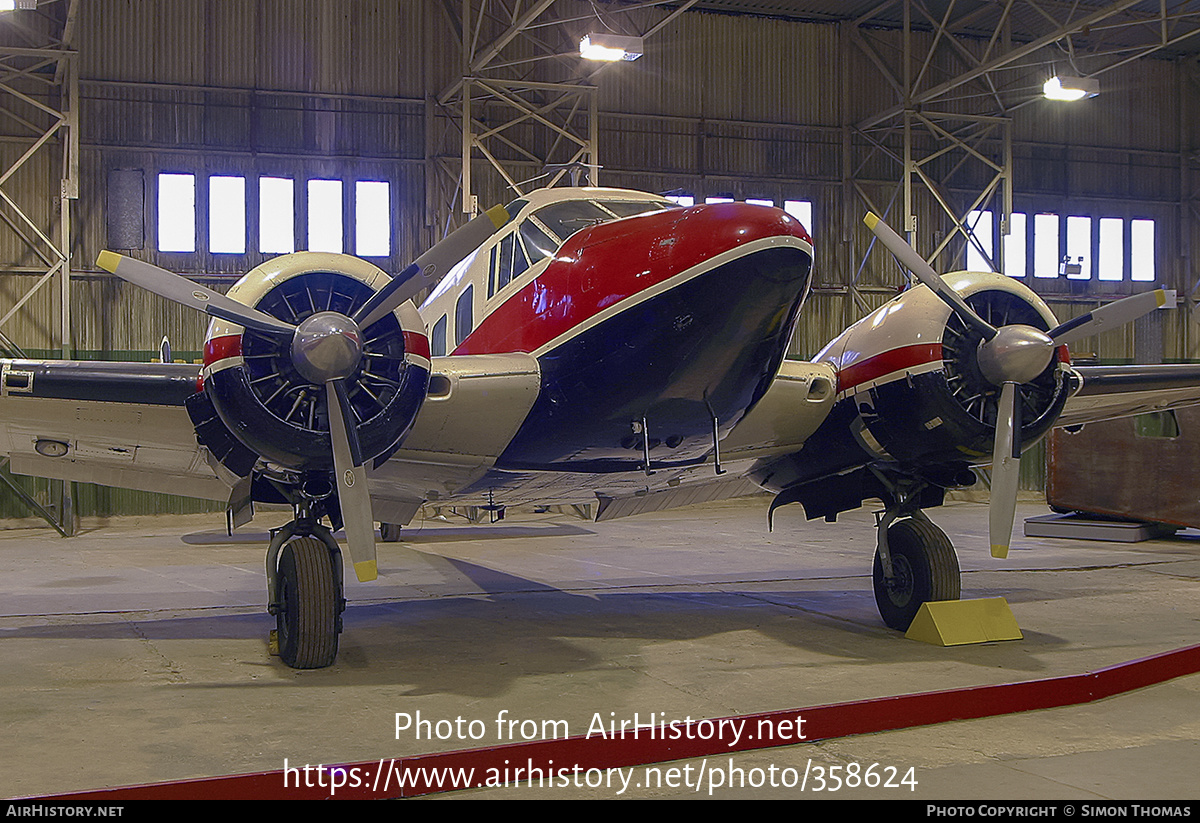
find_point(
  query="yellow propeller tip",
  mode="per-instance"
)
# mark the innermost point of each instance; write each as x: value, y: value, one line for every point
x: 870, y: 220
x: 366, y: 571
x: 498, y: 215
x: 1000, y: 552
x: 108, y: 260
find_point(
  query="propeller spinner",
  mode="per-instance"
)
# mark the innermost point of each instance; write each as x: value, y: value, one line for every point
x: 1009, y: 357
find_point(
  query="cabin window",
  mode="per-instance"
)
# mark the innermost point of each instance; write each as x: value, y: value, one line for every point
x: 437, y: 339
x: 462, y: 315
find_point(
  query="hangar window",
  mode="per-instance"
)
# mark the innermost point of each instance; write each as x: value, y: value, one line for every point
x: 802, y: 210
x: 1046, y: 252
x: 684, y: 200
x: 718, y: 199
x: 276, y: 215
x: 1141, y: 250
x: 1110, y: 256
x: 227, y: 215
x: 372, y: 218
x: 980, y: 241
x: 177, y: 212
x: 463, y: 316
x: 325, y: 216
x: 1078, y: 262
x: 983, y: 230
x: 1082, y: 247
x: 757, y: 202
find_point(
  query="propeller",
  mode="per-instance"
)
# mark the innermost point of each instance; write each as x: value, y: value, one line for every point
x: 325, y: 349
x: 1008, y: 357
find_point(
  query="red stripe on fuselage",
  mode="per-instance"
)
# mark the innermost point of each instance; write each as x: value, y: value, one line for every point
x: 606, y: 264
x: 905, y: 357
x: 220, y: 348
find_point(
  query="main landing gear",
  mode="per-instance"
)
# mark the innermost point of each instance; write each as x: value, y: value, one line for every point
x: 304, y: 592
x: 915, y: 563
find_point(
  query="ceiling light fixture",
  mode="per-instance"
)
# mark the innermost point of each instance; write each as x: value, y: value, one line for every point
x: 610, y: 47
x: 1064, y: 87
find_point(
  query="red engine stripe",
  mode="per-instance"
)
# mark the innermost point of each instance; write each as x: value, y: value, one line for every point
x: 416, y: 343
x: 905, y: 357
x: 220, y: 348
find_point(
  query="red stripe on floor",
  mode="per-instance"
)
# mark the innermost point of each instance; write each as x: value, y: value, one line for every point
x: 551, y: 756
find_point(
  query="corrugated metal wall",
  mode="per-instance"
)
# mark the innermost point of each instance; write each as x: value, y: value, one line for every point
x: 741, y: 106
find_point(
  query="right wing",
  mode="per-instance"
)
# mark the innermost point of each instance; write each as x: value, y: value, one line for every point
x: 116, y: 424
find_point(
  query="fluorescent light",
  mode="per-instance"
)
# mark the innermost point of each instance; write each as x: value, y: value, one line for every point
x: 610, y: 47
x: 1062, y: 87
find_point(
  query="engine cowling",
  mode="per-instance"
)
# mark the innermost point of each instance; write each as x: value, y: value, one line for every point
x: 269, y: 406
x: 912, y: 371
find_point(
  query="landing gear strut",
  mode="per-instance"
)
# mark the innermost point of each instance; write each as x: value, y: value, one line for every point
x: 915, y: 562
x: 304, y: 589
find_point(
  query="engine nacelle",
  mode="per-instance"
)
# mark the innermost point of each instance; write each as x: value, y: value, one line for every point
x: 280, y: 415
x: 911, y: 371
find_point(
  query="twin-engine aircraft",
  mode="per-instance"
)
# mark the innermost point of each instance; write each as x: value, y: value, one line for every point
x: 579, y: 346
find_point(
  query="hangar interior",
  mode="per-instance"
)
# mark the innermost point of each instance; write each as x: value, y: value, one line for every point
x: 207, y: 136
x: 134, y: 126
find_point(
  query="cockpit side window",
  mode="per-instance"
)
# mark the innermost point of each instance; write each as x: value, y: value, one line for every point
x: 566, y: 218
x: 628, y: 208
x: 538, y: 244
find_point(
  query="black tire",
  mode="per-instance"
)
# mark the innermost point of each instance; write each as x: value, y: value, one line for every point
x: 925, y: 568
x: 389, y: 532
x: 307, y: 617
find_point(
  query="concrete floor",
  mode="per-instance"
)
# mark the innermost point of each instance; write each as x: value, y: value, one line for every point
x: 136, y: 652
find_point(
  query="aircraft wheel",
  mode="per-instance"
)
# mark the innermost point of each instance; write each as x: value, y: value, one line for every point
x: 308, y: 613
x: 389, y: 532
x: 925, y: 569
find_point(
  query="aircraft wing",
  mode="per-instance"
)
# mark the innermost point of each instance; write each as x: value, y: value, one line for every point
x: 126, y: 425
x: 117, y: 424
x: 1122, y: 391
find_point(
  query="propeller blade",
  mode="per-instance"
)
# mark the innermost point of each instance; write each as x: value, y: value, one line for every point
x: 432, y: 266
x: 912, y: 261
x: 351, y: 477
x: 1111, y: 315
x: 1006, y: 468
x: 185, y: 292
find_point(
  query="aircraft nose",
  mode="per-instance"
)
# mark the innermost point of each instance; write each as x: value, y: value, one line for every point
x: 737, y: 223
